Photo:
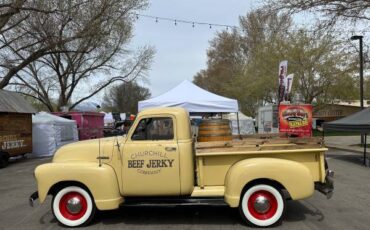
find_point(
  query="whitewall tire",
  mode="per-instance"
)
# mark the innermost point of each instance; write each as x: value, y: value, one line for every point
x: 262, y: 205
x: 73, y: 206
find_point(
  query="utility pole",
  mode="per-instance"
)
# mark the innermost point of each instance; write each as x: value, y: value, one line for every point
x: 360, y: 38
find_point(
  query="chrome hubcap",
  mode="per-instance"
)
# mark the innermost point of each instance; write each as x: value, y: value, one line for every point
x: 261, y: 204
x: 74, y: 205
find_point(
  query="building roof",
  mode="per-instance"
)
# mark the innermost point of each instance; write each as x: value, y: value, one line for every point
x: 12, y: 102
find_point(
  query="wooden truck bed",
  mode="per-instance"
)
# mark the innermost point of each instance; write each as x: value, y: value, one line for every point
x: 213, y: 159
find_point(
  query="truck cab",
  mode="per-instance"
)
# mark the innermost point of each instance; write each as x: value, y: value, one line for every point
x: 158, y: 155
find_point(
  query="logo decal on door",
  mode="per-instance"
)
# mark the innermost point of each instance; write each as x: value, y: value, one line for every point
x: 149, y: 166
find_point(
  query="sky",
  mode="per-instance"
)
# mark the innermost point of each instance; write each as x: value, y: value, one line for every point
x: 181, y: 50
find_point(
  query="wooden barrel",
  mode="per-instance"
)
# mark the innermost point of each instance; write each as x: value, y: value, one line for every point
x: 214, y: 130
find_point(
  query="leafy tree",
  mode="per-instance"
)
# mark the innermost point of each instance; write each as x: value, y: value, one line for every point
x: 323, y: 69
x: 125, y: 97
x: 244, y: 64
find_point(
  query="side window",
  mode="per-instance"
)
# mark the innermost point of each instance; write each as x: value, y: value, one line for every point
x: 158, y: 128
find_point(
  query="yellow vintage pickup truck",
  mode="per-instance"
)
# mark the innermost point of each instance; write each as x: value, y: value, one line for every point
x: 158, y: 162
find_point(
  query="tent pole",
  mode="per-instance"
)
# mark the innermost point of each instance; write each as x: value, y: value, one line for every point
x: 323, y: 135
x: 365, y: 137
x: 237, y: 119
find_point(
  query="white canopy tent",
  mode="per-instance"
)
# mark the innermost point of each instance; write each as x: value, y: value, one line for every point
x: 192, y: 98
x: 246, y: 124
x: 49, y: 132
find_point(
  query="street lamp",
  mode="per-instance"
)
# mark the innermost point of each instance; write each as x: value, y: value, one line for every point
x: 359, y: 37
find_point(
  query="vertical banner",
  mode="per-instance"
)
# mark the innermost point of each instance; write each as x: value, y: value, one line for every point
x: 283, y: 68
x: 288, y: 87
x: 295, y: 120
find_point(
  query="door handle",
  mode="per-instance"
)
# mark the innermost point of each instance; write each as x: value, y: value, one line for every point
x: 169, y: 149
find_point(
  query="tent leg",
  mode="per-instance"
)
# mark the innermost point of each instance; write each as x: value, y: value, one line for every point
x: 365, y: 137
x: 237, y: 119
x: 323, y: 137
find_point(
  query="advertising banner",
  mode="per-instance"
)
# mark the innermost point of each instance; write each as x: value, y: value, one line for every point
x: 288, y: 86
x: 283, y: 69
x: 295, y: 120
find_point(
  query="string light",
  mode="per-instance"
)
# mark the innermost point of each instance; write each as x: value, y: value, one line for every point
x: 192, y: 23
x: 225, y: 26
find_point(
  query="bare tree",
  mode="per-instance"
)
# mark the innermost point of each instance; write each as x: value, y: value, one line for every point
x: 354, y: 10
x: 89, y: 63
x: 32, y: 29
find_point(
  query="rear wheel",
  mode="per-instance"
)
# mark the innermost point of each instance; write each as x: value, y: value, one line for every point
x: 73, y: 206
x: 262, y: 205
x: 4, y: 160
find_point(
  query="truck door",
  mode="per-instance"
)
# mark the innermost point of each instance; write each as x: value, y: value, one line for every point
x: 151, y: 158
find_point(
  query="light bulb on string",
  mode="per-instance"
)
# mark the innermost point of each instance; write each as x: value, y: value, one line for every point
x: 193, y: 25
x: 175, y: 23
x: 156, y: 19
x: 137, y: 16
x: 210, y: 26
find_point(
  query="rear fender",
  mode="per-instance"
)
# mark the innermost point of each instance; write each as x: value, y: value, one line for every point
x: 100, y: 181
x: 293, y: 176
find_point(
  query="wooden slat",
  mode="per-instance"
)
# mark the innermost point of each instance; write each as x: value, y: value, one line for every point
x: 255, y: 144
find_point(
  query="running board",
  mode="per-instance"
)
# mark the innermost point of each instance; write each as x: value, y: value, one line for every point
x: 163, y: 201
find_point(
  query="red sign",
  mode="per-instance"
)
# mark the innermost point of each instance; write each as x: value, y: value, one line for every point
x: 295, y: 120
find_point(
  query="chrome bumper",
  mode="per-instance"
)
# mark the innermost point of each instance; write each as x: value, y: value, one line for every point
x: 327, y: 188
x: 32, y: 198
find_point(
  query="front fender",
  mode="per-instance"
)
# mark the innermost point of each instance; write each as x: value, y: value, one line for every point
x: 295, y: 177
x: 101, y: 181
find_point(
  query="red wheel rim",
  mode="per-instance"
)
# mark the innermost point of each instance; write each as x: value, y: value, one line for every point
x: 63, y: 206
x: 271, y: 207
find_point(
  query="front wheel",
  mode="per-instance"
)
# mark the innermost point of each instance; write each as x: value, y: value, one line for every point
x: 73, y: 206
x: 262, y: 205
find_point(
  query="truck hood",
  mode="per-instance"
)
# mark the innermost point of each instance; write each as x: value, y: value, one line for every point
x: 88, y: 150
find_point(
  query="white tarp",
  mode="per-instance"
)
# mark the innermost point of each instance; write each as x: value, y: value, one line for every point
x: 246, y: 124
x: 108, y: 119
x: 49, y: 132
x: 192, y: 98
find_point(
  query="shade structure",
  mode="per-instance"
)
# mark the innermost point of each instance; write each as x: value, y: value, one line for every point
x: 193, y: 98
x: 358, y: 122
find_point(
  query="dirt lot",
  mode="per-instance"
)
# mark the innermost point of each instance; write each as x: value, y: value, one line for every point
x: 348, y: 209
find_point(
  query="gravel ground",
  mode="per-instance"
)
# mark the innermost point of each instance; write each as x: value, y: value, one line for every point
x: 348, y: 209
